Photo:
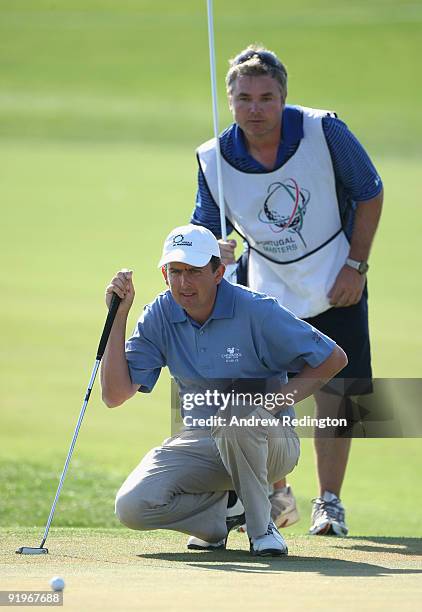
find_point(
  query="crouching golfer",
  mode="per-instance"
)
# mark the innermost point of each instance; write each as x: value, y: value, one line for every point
x: 205, y: 329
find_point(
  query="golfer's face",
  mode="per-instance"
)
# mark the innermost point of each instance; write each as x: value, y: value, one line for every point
x: 256, y: 104
x: 193, y: 288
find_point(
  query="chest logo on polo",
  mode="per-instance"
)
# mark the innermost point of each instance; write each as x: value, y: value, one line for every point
x: 284, y: 210
x: 232, y: 355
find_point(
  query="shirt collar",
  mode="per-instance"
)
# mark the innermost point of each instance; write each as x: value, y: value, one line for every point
x: 223, y: 305
x: 224, y: 301
x: 291, y: 131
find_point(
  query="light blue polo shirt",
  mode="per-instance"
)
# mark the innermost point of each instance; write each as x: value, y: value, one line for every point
x: 247, y: 336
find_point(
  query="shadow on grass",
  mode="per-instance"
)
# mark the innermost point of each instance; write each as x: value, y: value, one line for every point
x: 398, y: 546
x: 242, y: 562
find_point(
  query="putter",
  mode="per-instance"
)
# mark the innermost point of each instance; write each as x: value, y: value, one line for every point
x: 230, y: 273
x: 40, y: 550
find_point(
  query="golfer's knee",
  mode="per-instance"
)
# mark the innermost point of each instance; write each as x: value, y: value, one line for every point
x: 141, y: 508
x: 125, y: 510
x: 131, y: 509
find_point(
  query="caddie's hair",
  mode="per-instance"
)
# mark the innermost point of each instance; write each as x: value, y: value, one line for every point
x: 256, y: 60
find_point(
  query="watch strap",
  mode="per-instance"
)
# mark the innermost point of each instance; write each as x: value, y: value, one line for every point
x: 359, y: 266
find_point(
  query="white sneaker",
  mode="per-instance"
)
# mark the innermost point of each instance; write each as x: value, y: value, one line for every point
x: 271, y: 544
x: 198, y: 544
x: 284, y: 511
x: 235, y: 516
x: 328, y: 517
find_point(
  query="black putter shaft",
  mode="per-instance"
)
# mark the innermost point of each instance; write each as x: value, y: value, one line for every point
x: 115, y: 301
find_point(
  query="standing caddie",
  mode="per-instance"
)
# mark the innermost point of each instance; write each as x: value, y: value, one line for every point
x: 210, y: 333
x: 306, y: 198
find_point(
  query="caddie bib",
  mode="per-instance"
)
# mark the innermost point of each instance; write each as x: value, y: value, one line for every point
x: 290, y: 218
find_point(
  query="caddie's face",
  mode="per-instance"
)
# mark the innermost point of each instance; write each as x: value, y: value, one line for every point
x: 256, y: 103
x: 194, y: 289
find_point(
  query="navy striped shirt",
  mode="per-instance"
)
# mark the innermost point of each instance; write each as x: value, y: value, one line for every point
x: 355, y: 175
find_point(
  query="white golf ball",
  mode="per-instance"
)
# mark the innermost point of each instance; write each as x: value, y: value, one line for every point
x: 57, y: 583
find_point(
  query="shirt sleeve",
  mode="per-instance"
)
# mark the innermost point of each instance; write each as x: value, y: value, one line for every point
x: 351, y: 163
x: 206, y: 211
x: 288, y: 343
x: 143, y: 354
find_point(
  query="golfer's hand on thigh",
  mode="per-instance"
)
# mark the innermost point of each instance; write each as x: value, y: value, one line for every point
x: 122, y: 285
x: 227, y: 248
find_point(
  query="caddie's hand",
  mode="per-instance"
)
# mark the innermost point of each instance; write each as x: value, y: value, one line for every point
x: 122, y: 285
x: 348, y: 287
x: 227, y: 248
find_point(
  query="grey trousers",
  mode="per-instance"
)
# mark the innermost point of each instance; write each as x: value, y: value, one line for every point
x: 182, y: 485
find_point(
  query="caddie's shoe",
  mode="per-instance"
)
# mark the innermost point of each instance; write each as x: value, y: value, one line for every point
x: 235, y: 516
x: 328, y: 516
x: 271, y: 544
x: 284, y: 511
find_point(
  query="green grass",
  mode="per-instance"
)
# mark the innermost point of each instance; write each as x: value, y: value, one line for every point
x: 97, y: 99
x: 86, y: 501
x: 373, y: 491
x: 93, y: 71
x: 109, y: 569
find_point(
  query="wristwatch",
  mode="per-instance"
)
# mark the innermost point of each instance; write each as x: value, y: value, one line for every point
x: 360, y: 266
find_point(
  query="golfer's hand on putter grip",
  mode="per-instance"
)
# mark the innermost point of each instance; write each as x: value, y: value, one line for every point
x: 122, y: 285
x: 227, y: 248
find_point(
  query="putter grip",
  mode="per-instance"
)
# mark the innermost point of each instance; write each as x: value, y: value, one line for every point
x: 115, y: 301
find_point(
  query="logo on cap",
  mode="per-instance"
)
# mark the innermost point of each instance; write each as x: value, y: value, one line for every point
x: 179, y: 240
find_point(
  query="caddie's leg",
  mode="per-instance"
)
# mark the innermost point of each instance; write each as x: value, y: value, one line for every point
x: 332, y: 453
x: 255, y: 456
x: 181, y: 486
x: 349, y: 328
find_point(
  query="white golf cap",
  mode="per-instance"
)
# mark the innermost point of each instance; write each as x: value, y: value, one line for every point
x: 190, y: 244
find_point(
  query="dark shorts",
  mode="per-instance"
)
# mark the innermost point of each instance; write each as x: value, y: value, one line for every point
x: 348, y: 327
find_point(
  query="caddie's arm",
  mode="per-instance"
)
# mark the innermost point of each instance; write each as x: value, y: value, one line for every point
x: 366, y: 221
x: 116, y: 384
x: 310, y: 379
x: 349, y: 284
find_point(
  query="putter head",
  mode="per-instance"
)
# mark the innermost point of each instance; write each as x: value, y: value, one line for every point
x: 28, y: 550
